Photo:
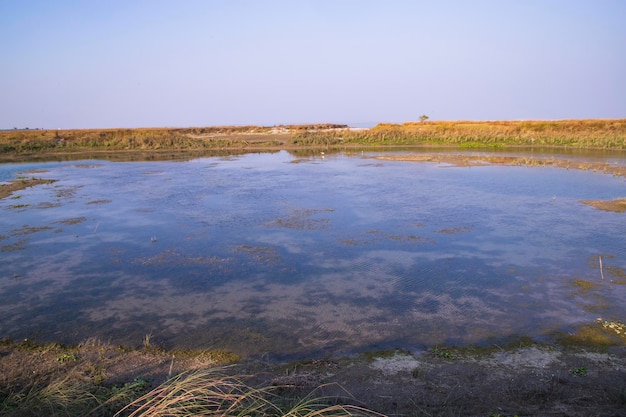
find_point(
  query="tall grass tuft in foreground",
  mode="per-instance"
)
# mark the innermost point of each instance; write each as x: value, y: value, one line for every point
x: 212, y: 393
x: 199, y: 393
x: 69, y: 395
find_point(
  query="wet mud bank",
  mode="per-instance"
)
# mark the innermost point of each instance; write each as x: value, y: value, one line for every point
x: 523, y: 378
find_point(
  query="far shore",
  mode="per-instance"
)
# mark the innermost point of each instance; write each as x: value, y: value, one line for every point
x: 609, y: 134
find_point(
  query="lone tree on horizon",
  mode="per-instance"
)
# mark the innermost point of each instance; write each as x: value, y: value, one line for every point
x: 423, y: 118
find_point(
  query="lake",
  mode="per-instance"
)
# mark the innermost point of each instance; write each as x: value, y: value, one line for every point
x: 301, y: 256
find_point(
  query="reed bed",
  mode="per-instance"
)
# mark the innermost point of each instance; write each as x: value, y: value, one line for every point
x: 194, y: 138
x: 602, y: 134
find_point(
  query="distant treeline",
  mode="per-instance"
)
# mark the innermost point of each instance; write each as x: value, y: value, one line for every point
x: 604, y: 134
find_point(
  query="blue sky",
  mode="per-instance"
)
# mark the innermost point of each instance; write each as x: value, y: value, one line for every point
x: 97, y: 64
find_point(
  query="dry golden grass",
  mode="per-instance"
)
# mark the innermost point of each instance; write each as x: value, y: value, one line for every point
x: 194, y: 138
x: 604, y: 134
x: 214, y: 393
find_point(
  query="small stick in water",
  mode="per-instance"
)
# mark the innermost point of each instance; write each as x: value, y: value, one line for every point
x: 601, y: 269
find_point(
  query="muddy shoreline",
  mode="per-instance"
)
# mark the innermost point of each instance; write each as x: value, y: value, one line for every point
x: 523, y: 378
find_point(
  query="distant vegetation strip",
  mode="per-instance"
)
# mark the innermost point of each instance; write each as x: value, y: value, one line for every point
x: 601, y: 134
x: 196, y: 138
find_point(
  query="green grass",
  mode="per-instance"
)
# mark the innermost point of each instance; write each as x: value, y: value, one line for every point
x: 579, y: 372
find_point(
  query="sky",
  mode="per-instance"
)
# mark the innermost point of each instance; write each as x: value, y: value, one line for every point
x: 131, y: 63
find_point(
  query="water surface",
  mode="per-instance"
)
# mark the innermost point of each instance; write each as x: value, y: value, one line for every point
x: 293, y: 257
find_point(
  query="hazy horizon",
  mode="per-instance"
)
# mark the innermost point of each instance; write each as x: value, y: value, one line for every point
x: 349, y: 125
x: 132, y: 64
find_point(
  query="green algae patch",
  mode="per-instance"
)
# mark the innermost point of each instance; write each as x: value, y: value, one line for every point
x: 584, y: 286
x: 599, y: 335
x: 618, y: 273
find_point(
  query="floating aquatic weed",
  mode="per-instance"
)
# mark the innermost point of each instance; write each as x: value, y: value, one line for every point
x: 300, y: 219
x: 27, y: 230
x: 399, y: 238
x: 104, y: 201
x: 19, y: 245
x: 454, y: 230
x: 170, y: 257
x: 264, y: 254
x: 616, y: 326
x: 72, y: 221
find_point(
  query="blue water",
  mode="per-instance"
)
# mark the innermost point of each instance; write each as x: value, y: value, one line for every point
x: 294, y: 257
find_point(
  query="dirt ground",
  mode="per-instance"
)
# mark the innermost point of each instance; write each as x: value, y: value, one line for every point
x: 531, y: 380
x: 528, y: 381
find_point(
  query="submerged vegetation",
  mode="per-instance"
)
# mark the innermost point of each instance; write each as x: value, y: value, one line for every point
x: 602, y: 134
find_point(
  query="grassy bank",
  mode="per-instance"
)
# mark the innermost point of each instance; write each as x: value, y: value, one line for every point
x: 522, y: 377
x: 198, y: 138
x: 600, y: 134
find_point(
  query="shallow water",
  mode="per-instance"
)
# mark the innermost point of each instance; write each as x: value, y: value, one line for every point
x: 295, y: 257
